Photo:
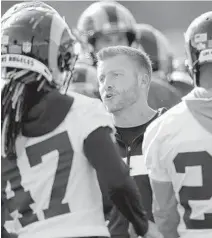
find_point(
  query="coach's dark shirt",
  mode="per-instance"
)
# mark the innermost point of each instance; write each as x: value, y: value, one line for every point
x: 130, y: 141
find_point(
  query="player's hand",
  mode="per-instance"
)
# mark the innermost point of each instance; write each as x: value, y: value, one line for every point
x: 153, y: 231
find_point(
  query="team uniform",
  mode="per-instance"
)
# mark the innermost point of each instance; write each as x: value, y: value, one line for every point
x: 178, y: 153
x: 52, y: 181
x: 129, y: 141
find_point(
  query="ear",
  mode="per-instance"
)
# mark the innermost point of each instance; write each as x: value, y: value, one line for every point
x: 143, y: 80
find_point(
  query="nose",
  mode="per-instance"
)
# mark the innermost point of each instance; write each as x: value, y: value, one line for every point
x: 108, y: 83
x: 106, y: 86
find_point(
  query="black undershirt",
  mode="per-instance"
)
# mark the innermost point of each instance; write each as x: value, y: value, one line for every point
x: 130, y: 133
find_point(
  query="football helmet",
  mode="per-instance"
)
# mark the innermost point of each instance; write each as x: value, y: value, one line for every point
x: 35, y: 38
x: 198, y: 44
x: 37, y: 52
x: 106, y: 17
x: 157, y: 46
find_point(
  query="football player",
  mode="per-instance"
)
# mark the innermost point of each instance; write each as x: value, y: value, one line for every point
x: 178, y: 147
x: 157, y: 46
x: 105, y: 24
x: 54, y: 145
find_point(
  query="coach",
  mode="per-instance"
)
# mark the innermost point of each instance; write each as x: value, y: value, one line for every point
x: 124, y: 75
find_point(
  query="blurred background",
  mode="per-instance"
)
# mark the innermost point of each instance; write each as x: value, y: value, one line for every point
x: 171, y: 17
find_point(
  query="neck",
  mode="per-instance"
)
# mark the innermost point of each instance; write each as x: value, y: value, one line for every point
x: 135, y: 115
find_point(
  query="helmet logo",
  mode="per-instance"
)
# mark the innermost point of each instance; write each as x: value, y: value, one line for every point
x: 26, y: 47
x: 200, y: 38
x: 5, y: 40
x: 3, y: 49
x: 205, y: 56
x: 199, y: 41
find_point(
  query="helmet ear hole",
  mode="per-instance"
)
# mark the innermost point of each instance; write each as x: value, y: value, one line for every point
x: 130, y: 37
x: 92, y: 41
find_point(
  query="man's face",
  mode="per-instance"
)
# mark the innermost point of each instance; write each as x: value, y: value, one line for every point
x: 111, y: 39
x: 118, y: 82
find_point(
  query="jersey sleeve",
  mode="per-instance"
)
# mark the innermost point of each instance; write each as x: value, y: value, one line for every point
x: 95, y: 117
x: 154, y: 152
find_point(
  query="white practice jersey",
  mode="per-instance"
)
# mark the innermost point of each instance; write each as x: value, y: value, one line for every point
x: 58, y: 192
x: 179, y: 150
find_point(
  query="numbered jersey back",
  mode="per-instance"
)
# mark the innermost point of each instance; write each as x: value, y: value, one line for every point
x: 50, y: 188
x: 188, y: 157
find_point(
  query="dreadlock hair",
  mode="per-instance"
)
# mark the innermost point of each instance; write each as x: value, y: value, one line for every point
x: 23, y: 90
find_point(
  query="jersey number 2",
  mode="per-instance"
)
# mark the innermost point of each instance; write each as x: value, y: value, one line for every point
x: 22, y: 200
x: 197, y: 193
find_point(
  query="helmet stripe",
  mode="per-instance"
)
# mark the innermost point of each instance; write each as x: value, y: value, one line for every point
x: 89, y: 26
x: 111, y: 12
x: 100, y: 19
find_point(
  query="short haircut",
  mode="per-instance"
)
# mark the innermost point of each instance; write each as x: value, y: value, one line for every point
x: 140, y: 57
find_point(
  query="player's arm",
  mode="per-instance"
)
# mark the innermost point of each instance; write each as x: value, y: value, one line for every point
x: 164, y: 201
x: 103, y: 155
x: 165, y: 208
